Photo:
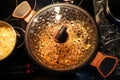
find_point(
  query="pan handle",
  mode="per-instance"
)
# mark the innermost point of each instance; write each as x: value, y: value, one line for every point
x: 24, y: 11
x: 105, y: 64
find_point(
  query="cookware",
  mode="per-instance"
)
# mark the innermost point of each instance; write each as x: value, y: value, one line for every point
x: 63, y: 37
x: 112, y: 11
x: 8, y: 39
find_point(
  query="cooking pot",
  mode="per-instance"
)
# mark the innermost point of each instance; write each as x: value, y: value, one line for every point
x: 8, y: 39
x: 112, y: 11
x: 63, y: 37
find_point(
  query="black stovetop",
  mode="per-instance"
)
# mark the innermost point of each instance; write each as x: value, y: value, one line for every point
x: 19, y: 65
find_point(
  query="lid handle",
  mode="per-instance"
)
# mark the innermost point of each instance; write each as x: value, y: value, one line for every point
x: 61, y: 35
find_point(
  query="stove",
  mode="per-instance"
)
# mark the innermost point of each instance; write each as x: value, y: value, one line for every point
x: 19, y: 66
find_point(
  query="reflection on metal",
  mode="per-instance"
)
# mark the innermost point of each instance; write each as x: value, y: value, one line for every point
x: 69, y: 1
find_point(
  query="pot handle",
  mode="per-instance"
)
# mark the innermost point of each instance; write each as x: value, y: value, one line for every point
x: 105, y: 64
x: 24, y: 11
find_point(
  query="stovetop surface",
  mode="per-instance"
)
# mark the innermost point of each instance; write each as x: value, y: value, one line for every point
x: 19, y: 65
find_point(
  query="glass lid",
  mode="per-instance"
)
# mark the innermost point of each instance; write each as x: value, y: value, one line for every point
x: 75, y: 44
